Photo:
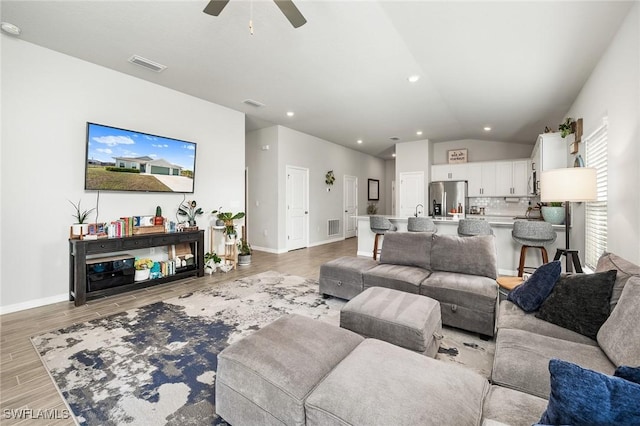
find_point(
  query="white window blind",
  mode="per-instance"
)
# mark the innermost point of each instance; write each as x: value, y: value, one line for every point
x: 596, y: 211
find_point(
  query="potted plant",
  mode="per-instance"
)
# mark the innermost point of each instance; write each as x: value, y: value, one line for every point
x: 158, y: 219
x: 568, y: 127
x: 211, y: 262
x: 228, y: 218
x: 553, y: 212
x: 80, y: 227
x: 219, y: 222
x: 244, y: 252
x: 190, y: 209
x: 143, y: 267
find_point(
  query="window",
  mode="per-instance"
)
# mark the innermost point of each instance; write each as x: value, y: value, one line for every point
x: 596, y: 211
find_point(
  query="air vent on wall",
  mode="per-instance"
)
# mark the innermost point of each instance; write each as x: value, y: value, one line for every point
x: 253, y: 103
x: 148, y: 64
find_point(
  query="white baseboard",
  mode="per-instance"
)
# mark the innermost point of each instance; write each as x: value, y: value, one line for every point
x: 321, y: 243
x: 34, y: 303
x: 268, y: 250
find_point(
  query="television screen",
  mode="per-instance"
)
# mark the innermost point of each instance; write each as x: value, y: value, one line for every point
x: 124, y: 160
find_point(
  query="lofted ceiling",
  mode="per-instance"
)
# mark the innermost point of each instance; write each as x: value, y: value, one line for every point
x: 512, y: 65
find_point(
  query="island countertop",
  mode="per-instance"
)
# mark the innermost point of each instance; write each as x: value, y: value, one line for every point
x: 508, y: 249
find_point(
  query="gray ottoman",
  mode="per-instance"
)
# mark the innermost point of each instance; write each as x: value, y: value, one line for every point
x: 342, y: 277
x: 265, y: 378
x: 404, y: 319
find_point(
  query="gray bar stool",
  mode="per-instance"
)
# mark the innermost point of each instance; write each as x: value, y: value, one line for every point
x: 536, y: 234
x: 420, y: 224
x: 380, y: 226
x: 471, y: 227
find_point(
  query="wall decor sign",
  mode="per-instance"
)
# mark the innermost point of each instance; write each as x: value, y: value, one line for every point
x: 374, y: 189
x: 457, y: 156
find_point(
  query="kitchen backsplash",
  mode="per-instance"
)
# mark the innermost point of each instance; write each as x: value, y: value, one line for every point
x: 499, y: 206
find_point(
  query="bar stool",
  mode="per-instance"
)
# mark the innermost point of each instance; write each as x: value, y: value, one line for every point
x: 380, y: 226
x: 536, y: 234
x: 420, y: 224
x: 471, y: 227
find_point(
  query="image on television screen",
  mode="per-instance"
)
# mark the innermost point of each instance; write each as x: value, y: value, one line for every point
x: 126, y: 160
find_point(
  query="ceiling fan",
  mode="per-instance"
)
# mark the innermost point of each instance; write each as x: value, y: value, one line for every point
x: 287, y: 7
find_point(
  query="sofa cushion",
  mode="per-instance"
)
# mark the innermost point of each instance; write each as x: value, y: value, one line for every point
x: 628, y: 373
x: 381, y: 384
x: 619, y: 336
x: 268, y: 374
x: 342, y: 277
x: 397, y: 277
x: 407, y: 248
x: 522, y: 358
x: 625, y: 269
x: 466, y: 255
x: 530, y: 294
x: 466, y: 301
x: 511, y: 407
x: 511, y: 316
x: 580, y: 302
x: 582, y: 396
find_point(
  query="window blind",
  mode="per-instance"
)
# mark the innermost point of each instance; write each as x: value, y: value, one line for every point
x: 596, y: 211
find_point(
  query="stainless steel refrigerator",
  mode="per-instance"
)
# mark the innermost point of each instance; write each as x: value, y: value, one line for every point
x: 445, y: 196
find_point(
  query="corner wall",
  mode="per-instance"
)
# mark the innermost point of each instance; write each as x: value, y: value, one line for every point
x: 44, y: 115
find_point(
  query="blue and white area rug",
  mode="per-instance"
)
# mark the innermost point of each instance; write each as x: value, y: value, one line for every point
x: 157, y: 364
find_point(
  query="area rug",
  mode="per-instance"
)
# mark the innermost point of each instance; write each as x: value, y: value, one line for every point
x: 156, y: 364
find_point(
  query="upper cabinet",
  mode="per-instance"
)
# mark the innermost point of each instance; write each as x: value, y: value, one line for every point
x: 441, y: 172
x: 512, y: 178
x: 482, y: 179
x: 550, y: 152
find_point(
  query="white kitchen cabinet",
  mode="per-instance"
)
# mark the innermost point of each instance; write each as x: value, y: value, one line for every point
x: 511, y: 178
x: 550, y: 152
x: 441, y: 172
x: 482, y: 179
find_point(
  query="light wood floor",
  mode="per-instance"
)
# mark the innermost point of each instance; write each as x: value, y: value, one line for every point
x: 25, y: 384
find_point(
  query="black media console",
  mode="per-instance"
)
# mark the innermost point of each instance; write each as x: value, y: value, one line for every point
x: 79, y: 250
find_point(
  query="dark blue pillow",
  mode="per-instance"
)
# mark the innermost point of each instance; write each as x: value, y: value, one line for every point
x: 530, y: 294
x: 580, y: 396
x: 628, y: 373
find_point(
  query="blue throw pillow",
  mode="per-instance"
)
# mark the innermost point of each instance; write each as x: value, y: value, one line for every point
x: 530, y: 294
x: 628, y: 373
x: 580, y: 396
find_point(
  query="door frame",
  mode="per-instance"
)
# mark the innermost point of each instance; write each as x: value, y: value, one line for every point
x: 288, y: 168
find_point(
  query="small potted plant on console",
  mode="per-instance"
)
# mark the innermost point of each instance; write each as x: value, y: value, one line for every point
x: 190, y: 209
x: 80, y: 228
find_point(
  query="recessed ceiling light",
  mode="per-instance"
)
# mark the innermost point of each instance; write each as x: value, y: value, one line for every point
x: 487, y: 129
x: 413, y: 78
x: 290, y: 113
x: 393, y: 155
x: 10, y: 28
x: 419, y: 133
x: 359, y: 141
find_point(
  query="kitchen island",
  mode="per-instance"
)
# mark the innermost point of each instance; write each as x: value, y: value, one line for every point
x: 508, y: 249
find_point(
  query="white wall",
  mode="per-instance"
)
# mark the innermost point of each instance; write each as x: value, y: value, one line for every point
x: 47, y: 98
x: 389, y: 176
x: 479, y: 150
x: 319, y: 156
x: 613, y: 90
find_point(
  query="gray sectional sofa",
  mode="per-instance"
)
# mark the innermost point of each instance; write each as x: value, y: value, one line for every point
x: 458, y: 272
x: 301, y: 371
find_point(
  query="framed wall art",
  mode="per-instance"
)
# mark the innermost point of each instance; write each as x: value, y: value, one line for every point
x: 456, y: 156
x: 373, y: 189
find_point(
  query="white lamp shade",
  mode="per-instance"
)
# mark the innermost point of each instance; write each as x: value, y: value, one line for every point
x: 570, y: 184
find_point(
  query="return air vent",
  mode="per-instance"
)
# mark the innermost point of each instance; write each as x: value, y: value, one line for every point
x: 333, y: 227
x: 253, y: 103
x: 148, y: 64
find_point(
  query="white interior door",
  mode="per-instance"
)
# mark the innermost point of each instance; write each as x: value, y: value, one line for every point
x: 297, y: 207
x: 350, y: 206
x: 411, y: 192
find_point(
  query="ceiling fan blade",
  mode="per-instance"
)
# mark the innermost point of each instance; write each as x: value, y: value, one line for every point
x: 291, y: 12
x: 215, y: 7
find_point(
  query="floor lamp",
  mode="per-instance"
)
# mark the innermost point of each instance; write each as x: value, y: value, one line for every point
x: 574, y: 184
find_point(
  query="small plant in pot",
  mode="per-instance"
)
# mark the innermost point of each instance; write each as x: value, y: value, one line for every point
x: 228, y: 218
x: 553, y: 212
x: 190, y: 209
x: 80, y: 227
x: 211, y: 262
x: 244, y: 252
x: 219, y: 222
x: 568, y: 127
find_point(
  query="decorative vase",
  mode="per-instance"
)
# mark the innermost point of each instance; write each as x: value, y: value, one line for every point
x: 553, y: 215
x: 219, y: 222
x: 141, y: 274
x: 80, y: 228
x: 192, y: 222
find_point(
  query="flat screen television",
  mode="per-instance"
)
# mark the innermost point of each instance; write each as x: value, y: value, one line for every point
x: 126, y: 160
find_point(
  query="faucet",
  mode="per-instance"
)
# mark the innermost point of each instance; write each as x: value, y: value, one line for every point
x: 416, y: 213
